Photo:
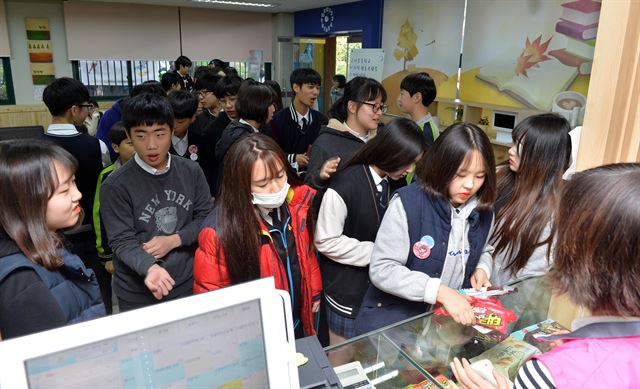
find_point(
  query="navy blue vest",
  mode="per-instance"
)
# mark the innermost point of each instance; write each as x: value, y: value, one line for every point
x: 74, y: 287
x: 426, y: 215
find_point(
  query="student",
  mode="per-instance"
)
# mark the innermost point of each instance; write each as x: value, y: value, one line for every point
x: 170, y: 82
x: 350, y: 215
x: 152, y: 209
x: 186, y: 143
x: 596, y: 247
x: 528, y: 194
x: 254, y: 107
x: 205, y: 87
x: 337, y: 90
x: 261, y: 228
x: 226, y: 91
x: 124, y: 148
x: 417, y: 92
x: 114, y: 114
x: 182, y: 68
x: 68, y: 102
x: 42, y: 285
x: 276, y: 87
x: 358, y: 114
x: 434, y: 233
x: 297, y: 127
x: 93, y: 118
x: 218, y: 66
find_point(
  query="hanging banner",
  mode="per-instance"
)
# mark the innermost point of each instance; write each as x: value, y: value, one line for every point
x: 366, y: 63
x: 40, y: 50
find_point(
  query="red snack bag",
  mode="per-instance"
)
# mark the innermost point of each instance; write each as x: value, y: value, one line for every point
x: 489, y: 313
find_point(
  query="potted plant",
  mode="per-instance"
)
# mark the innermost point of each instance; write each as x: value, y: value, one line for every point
x: 483, y: 123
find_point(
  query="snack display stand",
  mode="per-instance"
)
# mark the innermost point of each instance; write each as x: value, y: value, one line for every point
x: 415, y: 353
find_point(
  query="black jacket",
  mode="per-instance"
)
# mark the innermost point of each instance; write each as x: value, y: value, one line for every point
x: 345, y: 285
x: 330, y: 143
x: 28, y: 305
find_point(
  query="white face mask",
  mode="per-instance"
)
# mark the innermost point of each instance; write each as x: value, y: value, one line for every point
x: 271, y: 200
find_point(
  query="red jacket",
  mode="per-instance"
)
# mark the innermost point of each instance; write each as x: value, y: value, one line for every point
x: 210, y: 271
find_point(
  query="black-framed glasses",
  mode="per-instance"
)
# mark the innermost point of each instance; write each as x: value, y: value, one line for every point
x: 376, y: 107
x: 203, y: 92
x: 85, y: 105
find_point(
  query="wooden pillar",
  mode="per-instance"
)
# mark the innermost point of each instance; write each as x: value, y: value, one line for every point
x: 611, y: 131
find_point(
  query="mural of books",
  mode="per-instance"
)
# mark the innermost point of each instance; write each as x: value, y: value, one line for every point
x: 40, y: 50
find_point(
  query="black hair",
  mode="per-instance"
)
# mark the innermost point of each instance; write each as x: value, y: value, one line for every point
x: 200, y: 71
x: 357, y: 90
x: 146, y: 109
x: 117, y: 133
x: 218, y: 63
x: 150, y: 86
x: 273, y: 84
x: 231, y: 71
x: 207, y: 81
x: 340, y: 79
x: 253, y: 102
x: 63, y: 93
x: 395, y: 146
x: 94, y: 103
x: 305, y: 76
x: 168, y: 80
x: 227, y: 86
x: 439, y: 166
x: 420, y: 82
x: 183, y: 104
x: 183, y: 61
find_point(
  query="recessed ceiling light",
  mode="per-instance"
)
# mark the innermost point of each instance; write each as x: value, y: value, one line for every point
x: 240, y: 3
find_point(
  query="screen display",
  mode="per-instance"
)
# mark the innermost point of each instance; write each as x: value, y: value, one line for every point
x: 223, y: 348
x: 504, y: 120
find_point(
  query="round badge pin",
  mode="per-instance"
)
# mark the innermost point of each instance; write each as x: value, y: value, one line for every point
x: 428, y: 239
x: 421, y: 250
x: 194, y: 157
x: 193, y: 149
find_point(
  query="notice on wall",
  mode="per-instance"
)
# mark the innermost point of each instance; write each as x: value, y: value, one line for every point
x: 366, y: 63
x: 40, y: 50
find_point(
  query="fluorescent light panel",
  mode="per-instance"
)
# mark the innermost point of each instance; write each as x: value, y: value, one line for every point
x: 240, y: 3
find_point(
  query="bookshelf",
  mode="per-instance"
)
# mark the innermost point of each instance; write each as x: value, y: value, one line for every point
x: 444, y: 109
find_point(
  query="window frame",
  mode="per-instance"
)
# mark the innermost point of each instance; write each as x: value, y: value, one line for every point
x: 11, y: 96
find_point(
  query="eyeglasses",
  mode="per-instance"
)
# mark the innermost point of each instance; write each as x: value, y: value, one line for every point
x: 203, y: 93
x: 376, y: 107
x: 85, y: 105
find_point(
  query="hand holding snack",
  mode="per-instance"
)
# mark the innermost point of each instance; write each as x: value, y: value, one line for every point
x: 456, y: 305
x: 466, y: 376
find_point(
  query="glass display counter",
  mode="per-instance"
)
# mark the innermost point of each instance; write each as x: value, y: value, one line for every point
x: 420, y: 349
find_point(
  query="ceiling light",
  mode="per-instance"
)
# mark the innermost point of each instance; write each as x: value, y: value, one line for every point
x: 240, y: 3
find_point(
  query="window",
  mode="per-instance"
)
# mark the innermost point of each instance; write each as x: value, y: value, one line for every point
x: 6, y: 85
x: 110, y: 79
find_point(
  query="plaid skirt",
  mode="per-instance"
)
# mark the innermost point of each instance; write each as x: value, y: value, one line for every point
x: 341, y: 325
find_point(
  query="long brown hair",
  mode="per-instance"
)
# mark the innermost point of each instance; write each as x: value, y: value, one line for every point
x: 527, y: 198
x: 597, y: 242
x: 238, y: 224
x: 28, y: 180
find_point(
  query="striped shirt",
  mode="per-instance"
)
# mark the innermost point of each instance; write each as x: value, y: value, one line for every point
x: 534, y: 374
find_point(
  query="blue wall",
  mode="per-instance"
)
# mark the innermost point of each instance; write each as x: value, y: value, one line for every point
x: 364, y: 16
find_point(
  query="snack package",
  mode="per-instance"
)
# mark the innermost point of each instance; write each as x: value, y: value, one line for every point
x: 508, y: 355
x: 426, y: 384
x: 534, y: 334
x: 490, y: 314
